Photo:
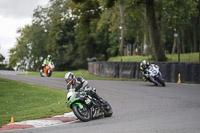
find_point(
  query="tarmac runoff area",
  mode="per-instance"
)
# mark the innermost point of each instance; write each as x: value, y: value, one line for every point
x: 45, y: 122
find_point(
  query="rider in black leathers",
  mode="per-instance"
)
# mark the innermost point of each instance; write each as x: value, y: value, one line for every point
x: 80, y: 84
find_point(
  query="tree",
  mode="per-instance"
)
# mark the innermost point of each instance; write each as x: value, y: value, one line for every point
x: 2, y: 58
x: 68, y: 29
x: 122, y: 28
x: 30, y: 49
x: 3, y: 65
x: 158, y: 52
x: 182, y: 16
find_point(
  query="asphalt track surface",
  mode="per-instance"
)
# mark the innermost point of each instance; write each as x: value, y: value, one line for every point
x: 138, y: 107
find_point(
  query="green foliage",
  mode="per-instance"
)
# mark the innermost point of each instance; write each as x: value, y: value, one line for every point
x: 108, y: 3
x: 30, y: 49
x: 2, y: 58
x: 2, y: 65
x: 178, y: 16
x: 74, y: 30
x: 27, y: 102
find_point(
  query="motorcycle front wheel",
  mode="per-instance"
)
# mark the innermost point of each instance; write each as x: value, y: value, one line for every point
x: 49, y: 72
x: 82, y: 114
x: 107, y: 109
x: 41, y: 74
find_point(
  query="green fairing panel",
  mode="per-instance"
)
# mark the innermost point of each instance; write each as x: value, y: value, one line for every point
x: 74, y: 101
x: 80, y: 105
x: 83, y: 93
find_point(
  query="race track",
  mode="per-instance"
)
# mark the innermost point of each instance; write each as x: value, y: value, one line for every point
x: 138, y: 107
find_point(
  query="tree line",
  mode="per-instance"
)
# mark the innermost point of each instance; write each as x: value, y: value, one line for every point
x: 74, y: 30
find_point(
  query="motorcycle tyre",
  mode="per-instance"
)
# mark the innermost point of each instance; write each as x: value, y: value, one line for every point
x: 49, y: 74
x: 41, y: 75
x: 160, y: 81
x: 107, y: 113
x: 78, y: 115
x: 152, y: 82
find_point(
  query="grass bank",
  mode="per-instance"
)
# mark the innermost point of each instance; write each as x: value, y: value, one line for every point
x: 26, y: 102
x: 84, y: 73
x: 189, y: 57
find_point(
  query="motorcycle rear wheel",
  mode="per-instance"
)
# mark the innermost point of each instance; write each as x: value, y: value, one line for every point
x: 161, y: 82
x: 82, y: 114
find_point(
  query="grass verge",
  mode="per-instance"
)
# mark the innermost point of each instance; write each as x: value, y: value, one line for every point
x: 189, y: 57
x: 84, y: 73
x: 26, y: 102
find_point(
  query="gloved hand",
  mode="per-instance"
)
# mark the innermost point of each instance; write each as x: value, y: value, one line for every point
x: 144, y: 79
x: 94, y: 89
x: 90, y: 88
x: 146, y: 75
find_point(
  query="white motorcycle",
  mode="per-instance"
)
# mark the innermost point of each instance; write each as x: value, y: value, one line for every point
x: 154, y: 75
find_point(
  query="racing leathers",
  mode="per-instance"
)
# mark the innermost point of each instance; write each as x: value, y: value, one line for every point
x: 145, y: 73
x: 80, y: 84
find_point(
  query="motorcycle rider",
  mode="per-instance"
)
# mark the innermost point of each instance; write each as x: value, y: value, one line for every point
x: 46, y: 62
x: 143, y: 68
x: 79, y: 83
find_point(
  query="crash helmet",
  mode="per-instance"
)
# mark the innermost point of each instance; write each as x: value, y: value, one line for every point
x: 49, y: 57
x: 69, y: 78
x: 144, y: 65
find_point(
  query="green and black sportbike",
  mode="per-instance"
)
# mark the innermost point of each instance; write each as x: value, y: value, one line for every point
x: 86, y: 108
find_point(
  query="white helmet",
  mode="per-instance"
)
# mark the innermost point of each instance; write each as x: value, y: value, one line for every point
x: 144, y: 65
x: 69, y: 78
x: 49, y: 57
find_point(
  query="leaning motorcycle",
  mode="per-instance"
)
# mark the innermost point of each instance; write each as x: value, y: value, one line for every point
x: 154, y: 75
x: 86, y: 108
x: 48, y: 69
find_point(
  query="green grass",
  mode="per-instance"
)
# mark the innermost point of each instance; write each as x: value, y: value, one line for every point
x: 135, y: 58
x: 190, y: 57
x: 26, y: 102
x: 84, y: 73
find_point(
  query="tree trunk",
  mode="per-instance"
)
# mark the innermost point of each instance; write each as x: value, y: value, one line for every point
x: 144, y: 47
x: 158, y: 52
x: 174, y: 46
x: 190, y: 40
x: 183, y: 40
x: 178, y: 49
x: 195, y: 36
x: 122, y: 28
x: 146, y: 36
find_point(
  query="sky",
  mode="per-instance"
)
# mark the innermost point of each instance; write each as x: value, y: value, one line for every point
x: 14, y: 14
